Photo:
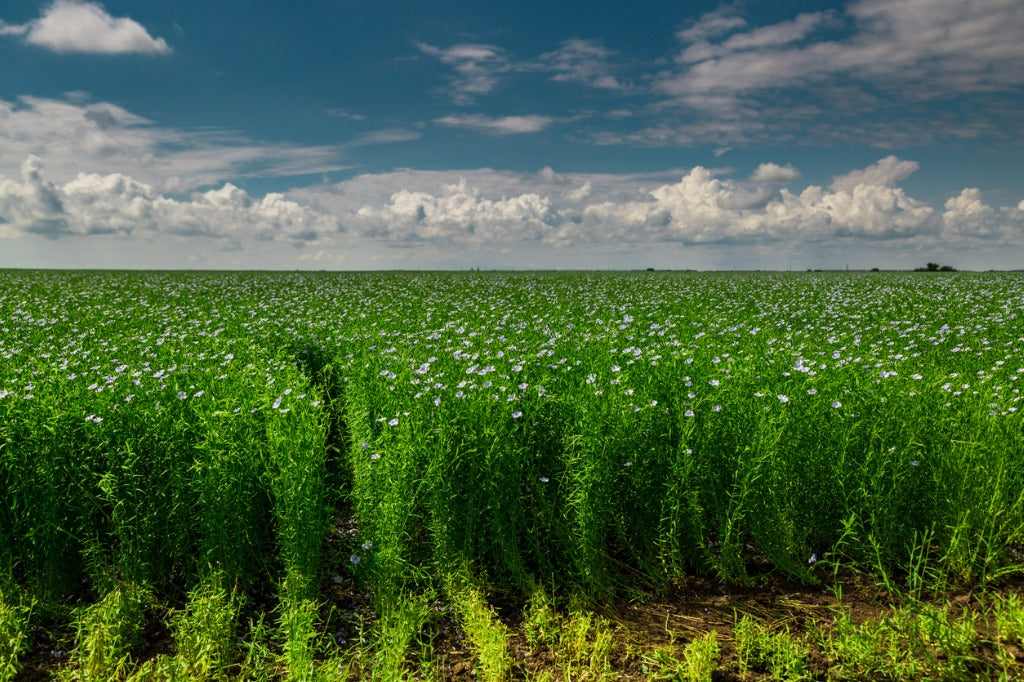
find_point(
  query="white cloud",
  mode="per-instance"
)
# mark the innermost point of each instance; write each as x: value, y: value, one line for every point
x: 712, y: 25
x: 77, y: 26
x: 461, y: 215
x: 542, y: 214
x: 701, y: 208
x: 582, y: 61
x: 385, y: 136
x: 773, y: 36
x: 104, y: 138
x: 580, y: 193
x: 967, y: 219
x: 497, y: 125
x: 885, y: 172
x: 816, y: 74
x: 478, y: 208
x: 772, y: 172
x: 92, y: 204
x: 700, y: 218
x: 864, y: 211
x: 934, y: 47
x: 479, y: 68
x: 777, y: 35
x: 476, y: 66
x: 33, y: 205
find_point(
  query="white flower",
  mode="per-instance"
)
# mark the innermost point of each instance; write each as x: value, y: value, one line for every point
x: 837, y: 404
x: 182, y: 395
x: 517, y: 414
x: 783, y: 398
x: 393, y: 422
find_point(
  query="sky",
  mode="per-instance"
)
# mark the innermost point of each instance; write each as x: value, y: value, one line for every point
x: 344, y: 135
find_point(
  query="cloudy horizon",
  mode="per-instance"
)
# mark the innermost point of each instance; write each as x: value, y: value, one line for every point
x: 862, y: 134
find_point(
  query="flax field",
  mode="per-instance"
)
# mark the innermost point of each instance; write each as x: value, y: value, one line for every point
x: 206, y: 460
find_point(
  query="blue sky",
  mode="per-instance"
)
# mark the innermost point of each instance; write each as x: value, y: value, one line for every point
x: 353, y: 135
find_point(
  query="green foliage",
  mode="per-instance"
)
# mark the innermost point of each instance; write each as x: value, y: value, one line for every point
x: 205, y: 631
x: 541, y: 620
x: 701, y: 658
x: 109, y: 633
x: 488, y: 636
x: 779, y: 653
x: 914, y: 641
x: 15, y: 618
x: 580, y: 642
x: 1010, y: 619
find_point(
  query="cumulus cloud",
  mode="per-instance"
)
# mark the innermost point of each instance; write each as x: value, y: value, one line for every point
x: 86, y: 27
x: 445, y: 211
x: 33, y: 205
x: 772, y: 172
x: 497, y: 125
x: 580, y: 193
x: 968, y: 218
x: 885, y: 172
x: 701, y: 208
x: 93, y: 204
x: 864, y: 211
x: 458, y: 213
x: 477, y: 208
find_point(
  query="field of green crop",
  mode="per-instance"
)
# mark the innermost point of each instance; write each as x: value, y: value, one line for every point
x: 213, y: 454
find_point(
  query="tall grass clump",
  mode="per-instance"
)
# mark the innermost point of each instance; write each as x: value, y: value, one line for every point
x: 15, y: 619
x: 109, y: 633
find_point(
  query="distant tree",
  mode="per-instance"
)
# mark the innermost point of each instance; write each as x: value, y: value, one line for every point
x: 935, y: 267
